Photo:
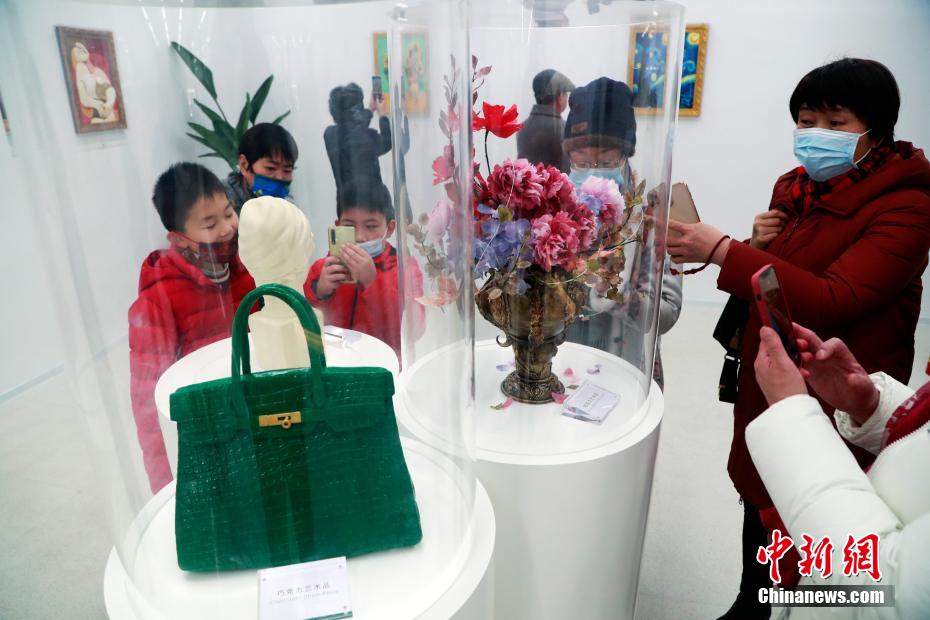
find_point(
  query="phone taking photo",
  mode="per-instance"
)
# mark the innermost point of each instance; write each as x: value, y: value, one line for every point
x: 338, y: 237
x: 774, y: 310
x: 376, y: 90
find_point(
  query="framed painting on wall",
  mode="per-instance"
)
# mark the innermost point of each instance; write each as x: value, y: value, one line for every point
x: 379, y: 48
x: 646, y: 70
x: 692, y: 70
x: 88, y: 58
x: 415, y: 77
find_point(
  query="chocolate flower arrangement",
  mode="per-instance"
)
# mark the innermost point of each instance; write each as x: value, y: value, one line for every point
x: 531, y: 225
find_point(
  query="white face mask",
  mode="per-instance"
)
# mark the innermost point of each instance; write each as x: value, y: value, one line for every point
x: 374, y: 247
x: 826, y: 153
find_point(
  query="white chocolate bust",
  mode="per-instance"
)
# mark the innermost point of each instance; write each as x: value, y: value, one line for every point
x: 275, y: 244
x: 275, y: 241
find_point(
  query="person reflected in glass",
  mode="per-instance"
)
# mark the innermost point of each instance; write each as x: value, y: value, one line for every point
x: 540, y: 140
x: 848, y: 233
x: 352, y: 146
x: 188, y: 294
x: 267, y: 157
x: 360, y: 290
x: 599, y: 139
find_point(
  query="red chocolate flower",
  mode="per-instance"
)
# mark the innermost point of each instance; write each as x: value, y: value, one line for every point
x: 515, y: 185
x: 502, y: 124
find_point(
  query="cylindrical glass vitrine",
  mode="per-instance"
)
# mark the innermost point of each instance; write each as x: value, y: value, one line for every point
x: 573, y: 107
x: 107, y: 99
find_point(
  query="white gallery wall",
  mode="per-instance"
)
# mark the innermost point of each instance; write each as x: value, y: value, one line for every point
x: 730, y: 155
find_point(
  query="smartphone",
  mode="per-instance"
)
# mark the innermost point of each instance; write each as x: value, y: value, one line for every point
x: 339, y: 236
x: 376, y: 90
x: 682, y: 208
x: 774, y: 311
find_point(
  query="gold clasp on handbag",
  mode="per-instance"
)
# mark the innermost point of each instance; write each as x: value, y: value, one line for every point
x: 284, y: 420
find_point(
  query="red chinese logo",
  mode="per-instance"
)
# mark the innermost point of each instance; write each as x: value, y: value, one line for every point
x: 861, y: 556
x: 817, y: 557
x: 773, y: 553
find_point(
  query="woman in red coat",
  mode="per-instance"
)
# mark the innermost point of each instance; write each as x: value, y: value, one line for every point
x: 848, y: 233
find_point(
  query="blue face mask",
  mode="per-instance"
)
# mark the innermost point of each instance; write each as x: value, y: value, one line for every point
x: 266, y: 186
x: 580, y: 175
x: 826, y: 153
x: 373, y: 247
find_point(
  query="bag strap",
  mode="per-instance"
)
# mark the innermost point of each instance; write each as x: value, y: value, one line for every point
x: 312, y: 332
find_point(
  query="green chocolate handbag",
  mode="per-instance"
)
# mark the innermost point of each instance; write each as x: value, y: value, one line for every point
x: 289, y: 466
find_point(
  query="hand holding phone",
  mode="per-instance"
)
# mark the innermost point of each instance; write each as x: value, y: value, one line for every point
x: 333, y: 275
x: 773, y: 309
x: 376, y: 90
x: 338, y: 237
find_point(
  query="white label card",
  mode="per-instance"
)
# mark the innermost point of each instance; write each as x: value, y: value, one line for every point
x: 309, y: 591
x: 590, y: 403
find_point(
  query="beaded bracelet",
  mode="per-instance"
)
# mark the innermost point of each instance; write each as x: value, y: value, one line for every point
x: 688, y: 272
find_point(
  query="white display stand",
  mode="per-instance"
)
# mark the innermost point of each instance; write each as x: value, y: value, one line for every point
x: 343, y: 347
x: 442, y: 577
x: 571, y: 497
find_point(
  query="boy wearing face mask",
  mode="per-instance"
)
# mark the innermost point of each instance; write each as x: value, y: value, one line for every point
x: 371, y: 304
x: 600, y: 137
x: 267, y: 154
x: 188, y: 294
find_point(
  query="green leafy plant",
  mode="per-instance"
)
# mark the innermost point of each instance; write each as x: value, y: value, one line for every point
x: 223, y: 139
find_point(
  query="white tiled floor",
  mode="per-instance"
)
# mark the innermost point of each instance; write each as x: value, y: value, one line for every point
x: 54, y: 539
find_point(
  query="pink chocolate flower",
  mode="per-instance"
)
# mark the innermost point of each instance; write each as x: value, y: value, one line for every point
x: 587, y: 225
x: 555, y: 240
x: 558, y: 190
x: 439, y: 219
x: 607, y: 192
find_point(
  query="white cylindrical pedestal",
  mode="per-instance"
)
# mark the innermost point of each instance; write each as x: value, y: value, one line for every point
x: 571, y: 497
x: 441, y: 577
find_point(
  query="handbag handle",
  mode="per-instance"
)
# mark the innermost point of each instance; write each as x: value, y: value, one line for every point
x: 311, y: 327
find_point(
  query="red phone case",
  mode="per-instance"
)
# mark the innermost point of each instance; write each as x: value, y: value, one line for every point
x: 757, y: 293
x: 762, y: 307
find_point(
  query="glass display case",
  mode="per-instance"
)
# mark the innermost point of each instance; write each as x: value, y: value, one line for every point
x: 561, y: 202
x: 274, y: 109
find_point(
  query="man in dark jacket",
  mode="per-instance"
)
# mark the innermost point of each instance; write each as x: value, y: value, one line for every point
x: 540, y: 140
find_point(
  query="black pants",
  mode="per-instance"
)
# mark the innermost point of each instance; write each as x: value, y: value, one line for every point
x: 755, y: 575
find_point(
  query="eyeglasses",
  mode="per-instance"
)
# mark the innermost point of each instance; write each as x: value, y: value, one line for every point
x: 613, y: 163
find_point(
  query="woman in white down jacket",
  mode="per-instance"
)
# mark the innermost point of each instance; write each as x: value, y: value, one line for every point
x: 816, y: 484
